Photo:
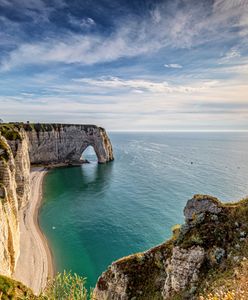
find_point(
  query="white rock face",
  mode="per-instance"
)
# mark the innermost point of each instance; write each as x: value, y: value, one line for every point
x: 61, y: 143
x: 22, y: 168
x: 14, y: 192
x: 182, y: 269
x: 42, y: 143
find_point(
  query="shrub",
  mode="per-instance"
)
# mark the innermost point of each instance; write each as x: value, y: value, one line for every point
x: 65, y: 286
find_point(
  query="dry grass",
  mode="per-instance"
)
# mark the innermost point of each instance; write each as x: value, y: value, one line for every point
x: 239, y: 285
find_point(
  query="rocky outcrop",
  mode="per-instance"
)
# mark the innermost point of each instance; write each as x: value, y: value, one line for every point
x: 63, y: 143
x: 201, y: 204
x: 19, y: 149
x: 212, y: 241
x: 182, y: 269
x: 22, y: 144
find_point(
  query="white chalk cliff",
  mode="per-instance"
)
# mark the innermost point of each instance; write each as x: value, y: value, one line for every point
x: 25, y: 144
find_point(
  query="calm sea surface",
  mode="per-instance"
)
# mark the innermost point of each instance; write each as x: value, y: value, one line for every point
x: 95, y: 214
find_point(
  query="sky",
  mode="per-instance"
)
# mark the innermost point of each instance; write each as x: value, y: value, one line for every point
x: 125, y: 64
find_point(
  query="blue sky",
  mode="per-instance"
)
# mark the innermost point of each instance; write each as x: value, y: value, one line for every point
x: 125, y: 65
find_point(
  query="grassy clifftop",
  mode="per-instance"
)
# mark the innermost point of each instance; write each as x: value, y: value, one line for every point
x: 10, y: 132
x: 14, y: 290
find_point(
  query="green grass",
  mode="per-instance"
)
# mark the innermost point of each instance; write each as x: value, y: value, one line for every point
x: 4, y: 146
x: 65, y: 286
x: 10, y: 132
x: 14, y: 290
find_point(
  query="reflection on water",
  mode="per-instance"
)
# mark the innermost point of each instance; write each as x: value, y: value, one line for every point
x: 96, y: 176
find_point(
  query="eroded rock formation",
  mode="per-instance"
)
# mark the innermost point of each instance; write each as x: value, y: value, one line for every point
x: 182, y: 269
x: 63, y: 143
x: 14, y: 193
x: 22, y: 144
x: 213, y: 239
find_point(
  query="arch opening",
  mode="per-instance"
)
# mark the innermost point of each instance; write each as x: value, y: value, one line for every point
x: 89, y: 155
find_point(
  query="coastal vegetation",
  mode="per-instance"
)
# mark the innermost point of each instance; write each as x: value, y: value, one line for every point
x: 206, y: 258
x: 223, y: 274
x: 11, y: 289
x: 65, y: 286
x: 10, y: 132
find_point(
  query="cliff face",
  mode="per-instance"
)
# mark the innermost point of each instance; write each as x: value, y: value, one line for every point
x: 207, y: 248
x: 61, y: 143
x: 22, y: 144
x: 14, y: 193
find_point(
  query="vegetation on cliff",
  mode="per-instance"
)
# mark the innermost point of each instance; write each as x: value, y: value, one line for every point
x: 15, y: 127
x: 14, y: 290
x: 65, y: 286
x: 206, y: 256
x: 206, y: 259
x: 10, y: 131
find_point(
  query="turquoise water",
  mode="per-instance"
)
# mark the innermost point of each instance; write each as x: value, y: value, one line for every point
x: 95, y: 214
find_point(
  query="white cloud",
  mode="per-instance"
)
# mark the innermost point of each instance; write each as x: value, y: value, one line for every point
x: 144, y: 85
x: 87, y: 22
x: 224, y: 5
x: 173, y: 66
x: 80, y: 49
x: 29, y: 4
x: 116, y: 103
x: 213, y: 107
x: 230, y: 55
x: 183, y: 28
x: 156, y: 15
x: 84, y: 23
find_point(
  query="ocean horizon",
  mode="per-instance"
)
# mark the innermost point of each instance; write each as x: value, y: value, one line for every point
x: 94, y: 214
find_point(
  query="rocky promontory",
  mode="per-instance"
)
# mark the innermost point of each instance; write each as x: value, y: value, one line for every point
x: 203, y: 255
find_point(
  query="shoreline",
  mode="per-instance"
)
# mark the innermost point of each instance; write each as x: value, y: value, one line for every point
x: 35, y: 263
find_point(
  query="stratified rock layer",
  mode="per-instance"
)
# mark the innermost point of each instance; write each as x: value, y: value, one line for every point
x: 22, y: 144
x: 63, y: 143
x: 14, y: 193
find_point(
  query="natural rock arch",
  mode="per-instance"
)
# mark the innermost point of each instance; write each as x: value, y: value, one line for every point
x: 64, y: 143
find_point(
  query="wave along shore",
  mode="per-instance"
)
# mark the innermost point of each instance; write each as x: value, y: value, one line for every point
x: 35, y: 264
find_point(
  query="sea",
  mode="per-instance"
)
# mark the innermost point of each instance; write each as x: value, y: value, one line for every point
x: 95, y: 214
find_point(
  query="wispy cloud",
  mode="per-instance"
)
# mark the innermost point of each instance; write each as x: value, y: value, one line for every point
x: 173, y: 66
x: 180, y: 28
x: 80, y: 49
x: 230, y: 55
x: 55, y: 62
x: 84, y: 23
x: 142, y: 85
x: 216, y: 104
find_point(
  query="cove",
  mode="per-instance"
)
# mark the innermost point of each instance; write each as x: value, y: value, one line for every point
x: 95, y: 214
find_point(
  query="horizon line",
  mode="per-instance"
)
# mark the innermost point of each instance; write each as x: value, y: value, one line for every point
x: 159, y: 130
